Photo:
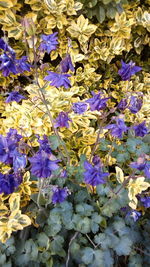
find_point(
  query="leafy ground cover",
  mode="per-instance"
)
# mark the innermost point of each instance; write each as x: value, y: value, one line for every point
x: 75, y: 133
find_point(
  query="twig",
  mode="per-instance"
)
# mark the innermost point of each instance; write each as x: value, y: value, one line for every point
x: 70, y: 243
x: 91, y: 241
x: 142, y: 251
x: 42, y: 97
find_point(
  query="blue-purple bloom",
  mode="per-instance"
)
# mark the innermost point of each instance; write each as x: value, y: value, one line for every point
x: 142, y: 165
x: 140, y: 129
x: 22, y: 65
x: 145, y: 201
x: 96, y: 102
x: 94, y: 174
x: 117, y: 129
x: 8, y: 183
x: 135, y: 104
x: 44, y: 144
x: 8, y: 145
x: 66, y: 64
x: 14, y: 96
x: 62, y: 120
x: 6, y: 47
x: 134, y: 214
x: 7, y: 65
x: 42, y: 166
x: 58, y: 79
x: 79, y: 107
x: 122, y: 104
x: 49, y: 42
x: 59, y: 194
x: 127, y: 70
x: 19, y: 161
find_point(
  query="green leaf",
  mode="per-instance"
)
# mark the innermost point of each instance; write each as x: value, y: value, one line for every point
x: 124, y: 246
x: 42, y: 240
x: 54, y: 142
x: 88, y: 255
x: 100, y: 14
x: 56, y: 246
x: 102, y: 240
x: 84, y: 209
x: 54, y: 224
x: 31, y: 249
x: 108, y: 259
x: 98, y: 259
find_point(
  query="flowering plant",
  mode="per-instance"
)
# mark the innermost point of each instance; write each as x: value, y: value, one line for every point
x: 74, y: 136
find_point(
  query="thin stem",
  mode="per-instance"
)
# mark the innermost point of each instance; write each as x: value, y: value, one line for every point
x: 42, y: 97
x: 91, y: 241
x: 70, y: 243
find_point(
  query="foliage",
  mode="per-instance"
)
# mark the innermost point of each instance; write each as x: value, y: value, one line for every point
x: 70, y: 157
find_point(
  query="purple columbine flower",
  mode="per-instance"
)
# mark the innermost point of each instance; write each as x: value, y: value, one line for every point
x: 8, y: 183
x: 145, y: 201
x: 79, y: 107
x: 142, y: 165
x: 66, y: 64
x: 62, y: 120
x: 22, y: 65
x: 117, y: 129
x: 59, y: 194
x: 14, y: 96
x: 140, y: 129
x: 8, y: 145
x: 6, y: 47
x: 127, y: 70
x: 19, y: 161
x: 7, y: 65
x: 122, y: 104
x: 44, y: 144
x: 94, y: 174
x: 58, y: 79
x: 135, y: 104
x: 49, y: 42
x: 134, y: 214
x: 42, y: 166
x: 96, y: 102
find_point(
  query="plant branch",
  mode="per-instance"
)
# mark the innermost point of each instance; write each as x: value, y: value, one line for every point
x: 70, y: 243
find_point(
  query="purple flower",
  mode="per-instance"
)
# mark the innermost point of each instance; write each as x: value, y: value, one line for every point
x: 127, y: 70
x: 58, y: 79
x: 93, y: 174
x: 59, y: 194
x: 117, y: 129
x: 145, y: 201
x: 66, y: 64
x: 6, y: 47
x: 122, y: 104
x: 7, y: 65
x: 44, y: 144
x: 49, y: 42
x: 19, y: 161
x: 42, y: 166
x: 134, y: 214
x: 135, y: 104
x: 8, y: 183
x: 140, y: 129
x: 8, y: 145
x: 79, y: 107
x: 13, y: 136
x: 142, y: 165
x: 62, y: 120
x: 63, y: 174
x: 96, y: 102
x: 22, y: 65
x: 14, y: 96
